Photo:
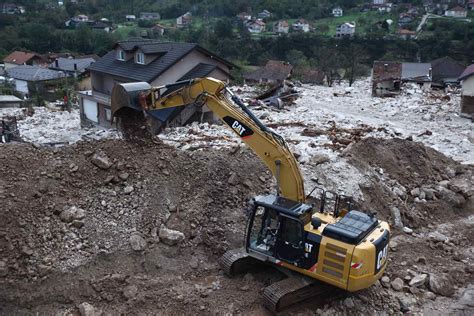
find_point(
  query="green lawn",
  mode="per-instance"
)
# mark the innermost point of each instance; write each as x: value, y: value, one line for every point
x: 363, y: 20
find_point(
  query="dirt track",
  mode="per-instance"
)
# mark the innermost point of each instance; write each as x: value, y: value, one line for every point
x: 55, y: 257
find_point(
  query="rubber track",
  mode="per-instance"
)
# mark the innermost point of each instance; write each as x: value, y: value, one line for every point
x: 234, y: 261
x: 287, y: 292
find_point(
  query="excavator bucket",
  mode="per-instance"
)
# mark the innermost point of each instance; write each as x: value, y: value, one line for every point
x: 125, y: 98
x: 127, y: 111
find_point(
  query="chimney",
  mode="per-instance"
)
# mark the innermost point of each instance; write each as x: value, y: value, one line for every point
x: 56, y: 63
x: 75, y: 67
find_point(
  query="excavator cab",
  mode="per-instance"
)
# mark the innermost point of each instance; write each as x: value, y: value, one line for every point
x: 275, y: 229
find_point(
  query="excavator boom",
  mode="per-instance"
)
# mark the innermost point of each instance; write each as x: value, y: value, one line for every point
x: 269, y: 146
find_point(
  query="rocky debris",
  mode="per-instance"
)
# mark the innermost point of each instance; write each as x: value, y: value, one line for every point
x: 169, y: 236
x: 101, y: 160
x: 437, y: 237
x: 137, y: 242
x: 86, y: 309
x: 441, y: 285
x: 3, y: 269
x: 71, y: 214
x: 397, y: 284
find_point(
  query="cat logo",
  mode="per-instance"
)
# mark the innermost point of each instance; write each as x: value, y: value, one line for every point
x: 382, y: 257
x: 239, y: 128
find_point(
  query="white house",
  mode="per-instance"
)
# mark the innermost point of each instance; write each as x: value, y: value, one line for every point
x: 301, y: 25
x: 130, y: 17
x: 378, y: 2
x: 184, y: 20
x: 281, y: 27
x: 337, y: 12
x: 456, y: 12
x: 470, y: 5
x: 264, y: 14
x: 385, y: 8
x: 467, y: 93
x: 345, y: 30
x: 257, y: 26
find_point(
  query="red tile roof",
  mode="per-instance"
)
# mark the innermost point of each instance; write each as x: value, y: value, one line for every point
x: 19, y: 58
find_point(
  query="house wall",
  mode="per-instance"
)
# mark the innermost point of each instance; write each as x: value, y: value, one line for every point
x: 185, y: 65
x: 468, y: 86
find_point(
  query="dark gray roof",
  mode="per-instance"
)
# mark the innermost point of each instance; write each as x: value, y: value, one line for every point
x: 34, y: 73
x: 167, y: 54
x: 416, y: 71
x: 67, y: 64
x: 446, y: 68
x: 200, y: 71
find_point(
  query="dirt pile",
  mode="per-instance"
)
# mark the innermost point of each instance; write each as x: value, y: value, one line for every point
x: 412, y: 179
x: 65, y: 208
x: 121, y: 227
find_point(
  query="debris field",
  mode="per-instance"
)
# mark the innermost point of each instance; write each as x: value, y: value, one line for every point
x: 111, y: 226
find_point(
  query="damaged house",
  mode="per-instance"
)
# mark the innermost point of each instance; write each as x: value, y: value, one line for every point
x: 157, y: 63
x: 446, y: 71
x: 467, y: 93
x: 386, y: 78
x: 274, y: 72
x: 419, y: 73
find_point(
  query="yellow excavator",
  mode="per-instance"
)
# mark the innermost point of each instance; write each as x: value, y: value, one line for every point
x: 315, y: 246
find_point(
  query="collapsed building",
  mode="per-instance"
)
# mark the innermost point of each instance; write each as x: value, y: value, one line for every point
x: 386, y: 78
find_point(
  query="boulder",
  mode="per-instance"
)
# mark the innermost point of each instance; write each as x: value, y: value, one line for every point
x: 419, y: 280
x: 130, y: 291
x: 441, y: 285
x: 86, y: 309
x: 397, y: 284
x: 137, y: 242
x: 71, y: 214
x: 169, y: 236
x: 101, y: 160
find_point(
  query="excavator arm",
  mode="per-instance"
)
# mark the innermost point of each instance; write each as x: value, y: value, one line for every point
x: 269, y: 146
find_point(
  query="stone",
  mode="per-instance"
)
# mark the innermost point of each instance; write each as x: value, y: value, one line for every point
x: 397, y: 218
x: 124, y: 176
x: 407, y: 230
x: 318, y: 159
x: 72, y: 213
x: 462, y: 186
x: 233, y: 180
x: 385, y: 281
x: 101, y: 160
x: 128, y: 189
x: 441, y: 285
x: 170, y: 237
x: 137, y: 242
x: 77, y: 223
x: 418, y: 280
x: 437, y: 237
x: 415, y: 192
x: 404, y: 305
x: 397, y: 284
x: 349, y: 303
x: 399, y: 192
x: 86, y: 309
x: 429, y: 194
x: 130, y: 291
x: 429, y: 295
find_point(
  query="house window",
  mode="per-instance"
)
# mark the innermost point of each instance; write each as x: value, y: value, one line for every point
x: 121, y: 55
x: 140, y: 58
